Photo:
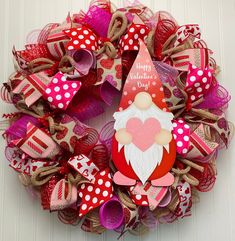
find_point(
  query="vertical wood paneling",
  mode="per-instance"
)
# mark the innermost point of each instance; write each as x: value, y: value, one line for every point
x: 21, y: 217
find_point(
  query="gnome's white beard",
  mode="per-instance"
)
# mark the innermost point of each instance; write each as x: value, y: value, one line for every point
x: 143, y: 163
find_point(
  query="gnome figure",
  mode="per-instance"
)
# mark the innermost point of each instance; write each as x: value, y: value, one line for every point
x: 143, y: 146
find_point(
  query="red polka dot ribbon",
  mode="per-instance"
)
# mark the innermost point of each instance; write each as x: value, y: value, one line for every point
x: 82, y: 38
x: 60, y: 92
x: 198, y: 82
x: 130, y: 41
x: 93, y: 194
x: 181, y: 133
x: 99, y: 187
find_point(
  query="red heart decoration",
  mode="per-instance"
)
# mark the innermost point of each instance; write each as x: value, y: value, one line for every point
x: 187, y: 191
x: 61, y: 134
x: 182, y: 198
x: 107, y: 63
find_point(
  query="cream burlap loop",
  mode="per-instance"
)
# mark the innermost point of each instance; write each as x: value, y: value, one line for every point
x: 65, y: 65
x: 168, y: 50
x: 109, y: 49
x: 126, y: 200
x: 185, y: 107
x: 184, y: 173
x: 40, y: 64
x: 66, y: 60
x: 181, y: 172
x: 43, y: 174
x: 117, y: 26
x: 150, y: 43
x: 24, y: 179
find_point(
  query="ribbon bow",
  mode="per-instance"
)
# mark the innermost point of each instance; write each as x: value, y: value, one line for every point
x: 56, y: 193
x: 60, y: 91
x: 197, y: 86
x: 84, y: 38
x: 97, y: 188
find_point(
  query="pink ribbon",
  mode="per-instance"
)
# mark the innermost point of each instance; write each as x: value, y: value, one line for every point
x: 36, y: 143
x: 200, y: 147
x: 60, y: 92
x: 32, y: 86
x: 181, y: 133
x: 198, y: 82
x: 59, y: 197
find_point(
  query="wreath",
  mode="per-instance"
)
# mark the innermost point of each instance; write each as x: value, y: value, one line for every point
x: 153, y: 81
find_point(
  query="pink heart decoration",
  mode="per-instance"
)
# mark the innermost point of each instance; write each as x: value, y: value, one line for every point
x: 143, y: 133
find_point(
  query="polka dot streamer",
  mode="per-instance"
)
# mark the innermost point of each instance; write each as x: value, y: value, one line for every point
x: 198, y: 82
x: 61, y: 91
x: 81, y: 38
x: 95, y: 193
x: 181, y: 134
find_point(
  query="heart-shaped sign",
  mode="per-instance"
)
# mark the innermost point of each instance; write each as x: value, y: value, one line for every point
x: 143, y: 133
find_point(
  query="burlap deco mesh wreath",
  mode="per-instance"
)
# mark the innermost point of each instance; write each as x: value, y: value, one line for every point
x: 158, y: 151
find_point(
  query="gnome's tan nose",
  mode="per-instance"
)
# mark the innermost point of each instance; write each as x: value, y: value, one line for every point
x: 143, y: 100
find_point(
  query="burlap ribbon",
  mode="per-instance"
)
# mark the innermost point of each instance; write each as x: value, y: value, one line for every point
x: 37, y: 112
x: 117, y: 27
x: 43, y: 175
x: 181, y: 104
x: 184, y: 173
x: 65, y: 65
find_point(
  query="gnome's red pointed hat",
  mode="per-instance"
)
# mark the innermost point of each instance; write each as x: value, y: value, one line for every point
x: 143, y: 77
